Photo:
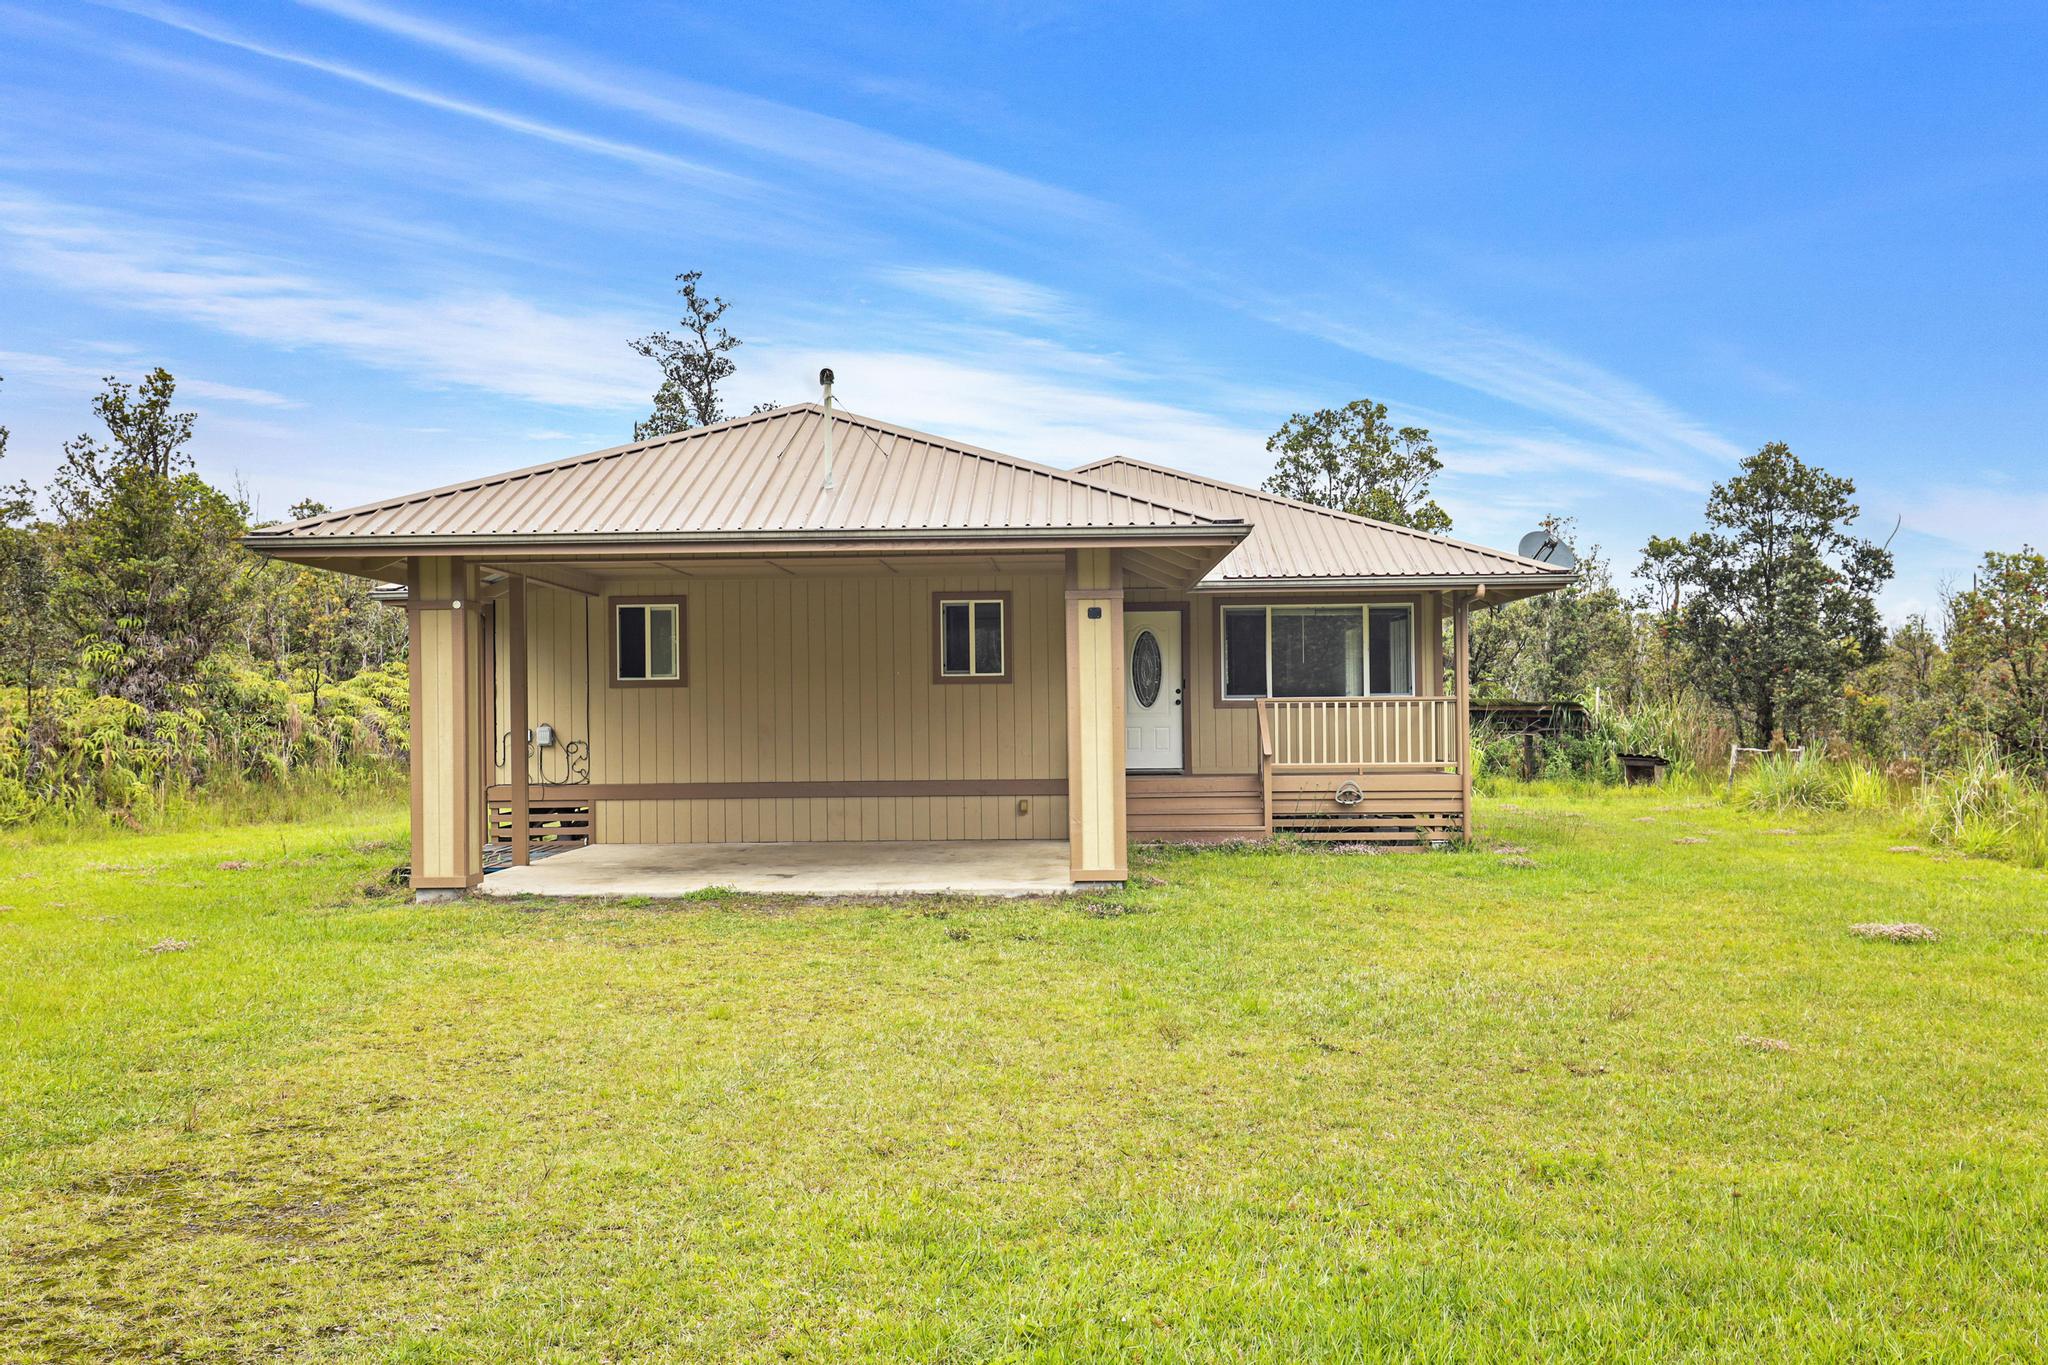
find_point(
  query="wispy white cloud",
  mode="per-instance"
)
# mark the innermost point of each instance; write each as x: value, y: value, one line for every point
x: 983, y: 291
x: 1518, y: 370
x: 1036, y: 413
x: 646, y: 158
x: 2004, y: 518
x: 236, y: 393
x: 116, y: 359
x: 852, y: 154
x: 1476, y: 449
x: 486, y: 340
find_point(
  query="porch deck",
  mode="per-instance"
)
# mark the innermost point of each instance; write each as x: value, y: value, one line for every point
x: 982, y: 867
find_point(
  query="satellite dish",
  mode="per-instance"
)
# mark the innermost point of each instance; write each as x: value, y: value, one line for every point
x: 1546, y: 548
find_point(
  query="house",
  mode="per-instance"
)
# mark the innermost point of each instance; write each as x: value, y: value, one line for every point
x: 816, y: 630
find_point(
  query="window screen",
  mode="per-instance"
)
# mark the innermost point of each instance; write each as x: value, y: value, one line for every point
x: 1392, y: 651
x: 957, y: 634
x: 632, y: 643
x: 1244, y: 652
x: 1318, y: 651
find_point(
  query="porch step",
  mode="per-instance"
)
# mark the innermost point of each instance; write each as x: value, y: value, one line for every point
x: 1176, y: 809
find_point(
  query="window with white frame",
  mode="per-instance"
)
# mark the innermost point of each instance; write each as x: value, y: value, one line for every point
x: 647, y: 641
x: 973, y: 638
x: 1348, y: 650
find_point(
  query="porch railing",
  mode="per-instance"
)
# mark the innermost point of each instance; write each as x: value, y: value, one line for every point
x: 1352, y: 732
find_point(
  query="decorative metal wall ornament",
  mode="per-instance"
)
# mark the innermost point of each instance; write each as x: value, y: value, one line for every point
x: 1147, y: 669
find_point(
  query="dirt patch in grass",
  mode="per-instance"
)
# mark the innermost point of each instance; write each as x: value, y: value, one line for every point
x: 169, y: 945
x: 84, y: 1300
x: 1903, y: 932
x: 1759, y: 1044
x: 1689, y: 839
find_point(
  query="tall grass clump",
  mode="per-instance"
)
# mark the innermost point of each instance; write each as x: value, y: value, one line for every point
x: 1680, y: 730
x: 1985, y: 808
x: 1780, y: 782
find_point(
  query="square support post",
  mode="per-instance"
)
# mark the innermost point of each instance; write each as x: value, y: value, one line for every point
x: 1461, y: 631
x: 1096, y: 837
x: 445, y: 630
x: 516, y: 703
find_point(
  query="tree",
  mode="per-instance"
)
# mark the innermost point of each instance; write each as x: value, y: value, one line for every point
x: 151, y: 573
x: 1352, y: 459
x: 1998, y: 642
x: 314, y: 627
x: 692, y: 365
x: 32, y: 642
x: 1774, y: 608
x: 1560, y: 645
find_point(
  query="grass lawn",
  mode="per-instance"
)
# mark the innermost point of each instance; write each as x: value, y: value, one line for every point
x: 1634, y: 1092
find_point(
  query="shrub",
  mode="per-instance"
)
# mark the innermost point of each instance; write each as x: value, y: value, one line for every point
x: 238, y: 733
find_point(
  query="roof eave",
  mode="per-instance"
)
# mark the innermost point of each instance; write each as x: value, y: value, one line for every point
x: 1382, y: 582
x: 1220, y: 533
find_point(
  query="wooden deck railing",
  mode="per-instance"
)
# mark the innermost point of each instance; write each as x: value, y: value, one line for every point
x: 1349, y: 732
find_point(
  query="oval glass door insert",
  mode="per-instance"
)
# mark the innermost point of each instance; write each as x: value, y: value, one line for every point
x: 1145, y: 668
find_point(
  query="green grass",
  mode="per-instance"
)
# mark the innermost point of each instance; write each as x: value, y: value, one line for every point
x: 1613, y: 1097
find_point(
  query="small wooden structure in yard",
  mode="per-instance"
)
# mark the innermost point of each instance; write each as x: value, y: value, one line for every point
x: 1642, y: 770
x: 804, y: 626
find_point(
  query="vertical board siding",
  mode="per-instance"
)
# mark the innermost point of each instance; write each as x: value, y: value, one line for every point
x: 806, y: 680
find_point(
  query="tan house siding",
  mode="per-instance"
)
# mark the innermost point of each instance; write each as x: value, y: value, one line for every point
x: 815, y: 683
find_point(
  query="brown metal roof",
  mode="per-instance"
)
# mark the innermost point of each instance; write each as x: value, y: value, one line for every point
x: 1293, y: 541
x: 759, y: 476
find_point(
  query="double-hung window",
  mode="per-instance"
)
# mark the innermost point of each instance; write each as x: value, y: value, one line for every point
x: 973, y: 643
x: 647, y: 642
x: 1351, y: 650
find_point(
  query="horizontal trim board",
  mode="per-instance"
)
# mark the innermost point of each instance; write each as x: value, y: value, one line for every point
x: 1228, y: 803
x: 774, y: 791
x: 1148, y: 784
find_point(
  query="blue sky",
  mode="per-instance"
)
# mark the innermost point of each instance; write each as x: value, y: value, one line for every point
x: 1601, y: 251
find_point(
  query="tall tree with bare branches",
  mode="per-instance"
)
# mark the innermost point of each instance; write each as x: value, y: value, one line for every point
x: 694, y: 360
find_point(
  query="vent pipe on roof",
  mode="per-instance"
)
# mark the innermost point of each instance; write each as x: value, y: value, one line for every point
x: 825, y: 379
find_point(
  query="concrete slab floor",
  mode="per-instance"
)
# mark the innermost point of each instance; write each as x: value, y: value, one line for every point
x: 981, y: 867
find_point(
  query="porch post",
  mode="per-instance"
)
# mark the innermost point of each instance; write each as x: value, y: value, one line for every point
x: 1095, y: 717
x: 516, y: 703
x: 1461, y: 631
x: 443, y: 623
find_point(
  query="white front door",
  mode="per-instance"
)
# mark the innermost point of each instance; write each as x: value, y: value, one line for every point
x: 1152, y: 691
